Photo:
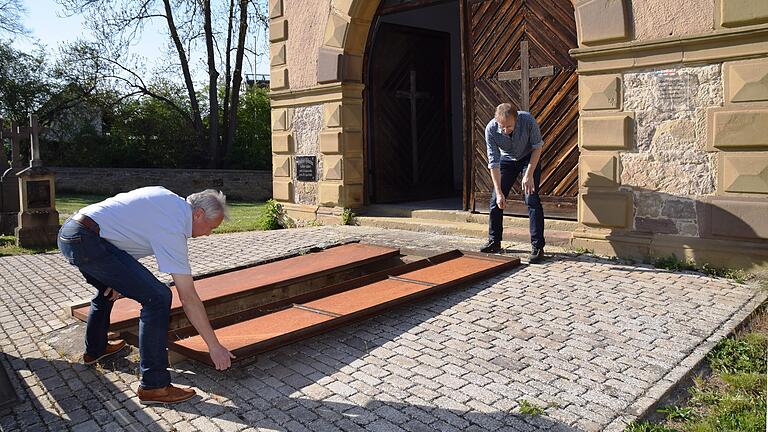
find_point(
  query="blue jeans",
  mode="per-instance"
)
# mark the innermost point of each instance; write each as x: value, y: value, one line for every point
x: 510, y: 171
x: 105, y: 266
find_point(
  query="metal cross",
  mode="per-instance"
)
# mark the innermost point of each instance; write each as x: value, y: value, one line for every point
x: 413, y: 95
x: 524, y: 74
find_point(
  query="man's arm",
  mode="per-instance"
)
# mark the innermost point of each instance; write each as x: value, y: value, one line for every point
x: 528, y: 185
x: 195, y: 311
x: 494, y: 160
x: 537, y: 143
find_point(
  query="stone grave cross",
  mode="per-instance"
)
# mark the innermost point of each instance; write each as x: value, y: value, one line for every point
x: 524, y: 75
x: 414, y: 96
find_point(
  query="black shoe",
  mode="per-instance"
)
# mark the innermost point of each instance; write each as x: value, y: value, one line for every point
x: 537, y: 254
x: 491, y: 247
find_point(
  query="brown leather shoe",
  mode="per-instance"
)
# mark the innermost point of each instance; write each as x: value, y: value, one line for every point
x: 113, y: 347
x: 167, y: 395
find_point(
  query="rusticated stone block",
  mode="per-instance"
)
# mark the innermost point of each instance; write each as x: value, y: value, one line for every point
x: 277, y: 54
x: 353, y: 196
x: 332, y: 168
x: 605, y: 209
x: 282, y: 143
x: 275, y: 8
x: 599, y: 92
x: 734, y: 13
x: 606, y: 132
x: 332, y: 115
x: 281, y: 166
x: 331, y: 142
x: 602, y: 21
x: 278, y: 30
x: 734, y: 217
x: 745, y: 173
x: 282, y: 190
x: 738, y: 128
x: 352, y: 116
x: 278, y: 79
x: 746, y: 81
x: 599, y: 170
x: 330, y: 194
x: 353, y: 170
x: 336, y: 30
x: 280, y: 119
x: 329, y: 65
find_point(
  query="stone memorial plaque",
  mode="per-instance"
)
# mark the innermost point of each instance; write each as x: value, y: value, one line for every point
x: 675, y: 90
x: 306, y: 168
x: 38, y: 194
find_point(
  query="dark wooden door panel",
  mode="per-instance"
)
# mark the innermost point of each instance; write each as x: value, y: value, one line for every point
x: 497, y: 27
x: 410, y: 122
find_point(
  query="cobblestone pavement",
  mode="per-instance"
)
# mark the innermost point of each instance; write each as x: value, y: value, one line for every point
x: 595, y: 341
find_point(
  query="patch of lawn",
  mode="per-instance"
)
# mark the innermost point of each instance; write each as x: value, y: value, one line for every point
x: 733, y: 398
x: 67, y: 204
x: 8, y: 247
x: 243, y: 216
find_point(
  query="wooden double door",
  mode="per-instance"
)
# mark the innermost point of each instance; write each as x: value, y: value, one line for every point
x: 493, y: 32
x: 498, y: 29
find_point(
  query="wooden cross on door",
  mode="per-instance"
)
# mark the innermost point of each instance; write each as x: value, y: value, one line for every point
x: 524, y: 74
x: 413, y: 95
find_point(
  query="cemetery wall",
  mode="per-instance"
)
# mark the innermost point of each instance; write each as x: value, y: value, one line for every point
x: 236, y: 184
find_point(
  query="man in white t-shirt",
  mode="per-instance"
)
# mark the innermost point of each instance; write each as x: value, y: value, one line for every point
x: 105, y: 240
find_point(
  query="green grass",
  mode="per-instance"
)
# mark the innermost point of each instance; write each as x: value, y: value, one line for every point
x: 243, y: 216
x: 733, y: 397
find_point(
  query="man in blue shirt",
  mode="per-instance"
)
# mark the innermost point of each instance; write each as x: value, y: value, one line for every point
x: 514, y: 146
x: 105, y: 240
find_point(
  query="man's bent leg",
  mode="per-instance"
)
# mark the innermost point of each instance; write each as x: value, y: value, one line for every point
x: 536, y: 212
x: 123, y: 273
x: 97, y: 325
x: 496, y: 214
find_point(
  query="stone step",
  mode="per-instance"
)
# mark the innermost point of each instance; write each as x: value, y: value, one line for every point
x: 395, y: 211
x: 512, y: 233
x: 322, y: 310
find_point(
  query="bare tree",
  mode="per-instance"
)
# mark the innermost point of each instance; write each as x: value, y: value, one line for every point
x: 117, y: 24
x: 11, y: 13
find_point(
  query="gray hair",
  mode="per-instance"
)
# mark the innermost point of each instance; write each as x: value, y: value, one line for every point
x: 213, y: 203
x: 504, y: 111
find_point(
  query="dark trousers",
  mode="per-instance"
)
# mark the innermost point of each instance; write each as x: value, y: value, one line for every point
x: 510, y: 171
x: 105, y: 266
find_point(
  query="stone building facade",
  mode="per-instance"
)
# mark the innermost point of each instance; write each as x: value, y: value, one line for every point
x: 672, y: 128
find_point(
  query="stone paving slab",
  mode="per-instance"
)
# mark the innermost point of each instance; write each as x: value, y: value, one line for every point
x: 597, y: 341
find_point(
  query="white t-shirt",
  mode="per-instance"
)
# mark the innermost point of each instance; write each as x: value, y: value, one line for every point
x: 147, y: 221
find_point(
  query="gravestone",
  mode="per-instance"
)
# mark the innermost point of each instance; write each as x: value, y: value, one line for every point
x: 38, y: 220
x: 9, y: 183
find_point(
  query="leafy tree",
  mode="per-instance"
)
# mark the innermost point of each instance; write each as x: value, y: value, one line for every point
x: 117, y: 23
x: 25, y: 83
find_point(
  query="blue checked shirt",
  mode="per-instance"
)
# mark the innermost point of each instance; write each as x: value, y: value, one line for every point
x: 516, y: 146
